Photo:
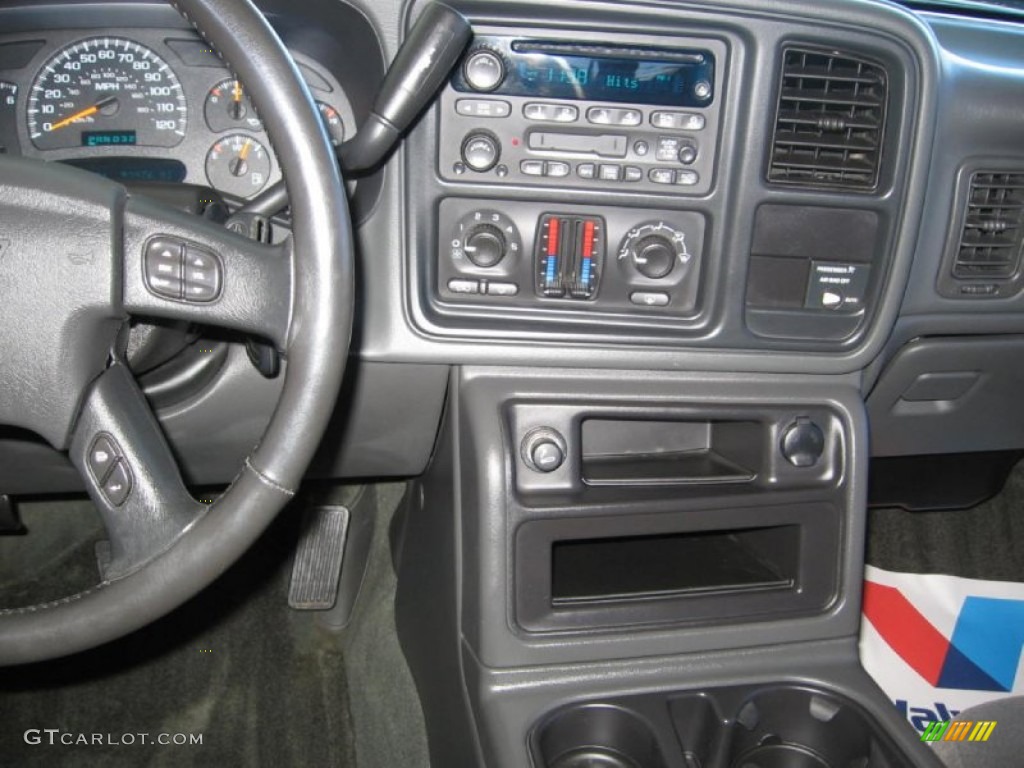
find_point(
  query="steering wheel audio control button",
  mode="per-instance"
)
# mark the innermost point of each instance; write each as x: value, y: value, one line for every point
x: 118, y: 485
x: 162, y: 262
x: 203, y: 275
x: 103, y: 454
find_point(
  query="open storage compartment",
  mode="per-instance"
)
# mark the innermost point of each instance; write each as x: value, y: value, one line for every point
x: 694, y: 566
x: 678, y: 452
x: 674, y: 564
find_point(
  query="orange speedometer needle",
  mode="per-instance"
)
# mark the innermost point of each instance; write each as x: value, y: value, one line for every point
x: 82, y: 113
x: 237, y: 91
x: 245, y: 150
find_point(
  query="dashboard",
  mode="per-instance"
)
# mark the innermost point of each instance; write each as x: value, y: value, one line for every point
x: 649, y: 273
x: 145, y: 105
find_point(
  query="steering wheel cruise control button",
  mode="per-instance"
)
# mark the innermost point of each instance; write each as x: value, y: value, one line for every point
x: 162, y: 264
x: 118, y: 486
x: 175, y: 269
x: 203, y: 275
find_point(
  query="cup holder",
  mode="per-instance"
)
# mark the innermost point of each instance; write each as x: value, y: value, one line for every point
x: 802, y: 728
x: 767, y: 726
x: 598, y: 736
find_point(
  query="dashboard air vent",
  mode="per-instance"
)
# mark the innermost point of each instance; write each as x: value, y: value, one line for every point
x: 992, y: 235
x: 830, y: 120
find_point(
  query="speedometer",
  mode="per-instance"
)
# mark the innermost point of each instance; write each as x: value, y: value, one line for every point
x: 106, y: 91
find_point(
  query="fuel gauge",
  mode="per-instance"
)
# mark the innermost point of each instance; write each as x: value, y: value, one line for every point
x: 238, y: 165
x: 228, y: 106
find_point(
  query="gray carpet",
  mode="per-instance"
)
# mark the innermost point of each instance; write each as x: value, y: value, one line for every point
x: 263, y: 685
x: 979, y: 543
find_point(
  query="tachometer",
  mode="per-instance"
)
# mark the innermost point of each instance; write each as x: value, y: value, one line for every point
x: 106, y: 91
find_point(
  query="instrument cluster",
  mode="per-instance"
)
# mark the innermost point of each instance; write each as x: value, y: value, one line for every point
x: 146, y: 105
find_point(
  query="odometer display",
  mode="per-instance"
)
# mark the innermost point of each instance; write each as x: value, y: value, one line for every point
x: 106, y: 86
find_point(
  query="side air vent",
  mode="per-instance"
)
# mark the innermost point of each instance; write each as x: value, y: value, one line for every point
x: 992, y: 235
x: 830, y: 121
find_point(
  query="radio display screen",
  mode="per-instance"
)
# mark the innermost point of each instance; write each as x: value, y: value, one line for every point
x: 638, y: 76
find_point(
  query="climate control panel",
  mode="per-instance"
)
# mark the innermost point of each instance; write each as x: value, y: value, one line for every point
x: 564, y: 257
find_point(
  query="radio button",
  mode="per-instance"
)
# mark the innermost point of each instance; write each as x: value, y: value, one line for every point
x: 688, y: 153
x: 586, y: 170
x: 614, y: 116
x: 632, y: 173
x: 668, y: 148
x: 556, y: 169
x: 687, y: 178
x: 662, y: 175
x: 550, y: 113
x: 483, y: 107
x: 484, y: 70
x: 532, y: 167
x: 641, y: 148
x: 480, y: 151
x: 610, y: 172
x: 678, y: 121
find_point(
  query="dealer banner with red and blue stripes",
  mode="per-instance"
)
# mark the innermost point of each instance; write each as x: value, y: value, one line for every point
x: 938, y: 644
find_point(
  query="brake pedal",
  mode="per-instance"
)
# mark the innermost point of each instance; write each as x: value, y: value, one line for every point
x: 317, y: 567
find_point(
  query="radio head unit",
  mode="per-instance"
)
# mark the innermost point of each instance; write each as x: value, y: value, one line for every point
x: 630, y: 114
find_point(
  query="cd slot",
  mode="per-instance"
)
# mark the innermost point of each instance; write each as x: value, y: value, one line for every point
x: 631, y: 52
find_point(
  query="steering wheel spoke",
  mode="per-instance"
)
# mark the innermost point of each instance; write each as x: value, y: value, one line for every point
x: 130, y: 473
x: 182, y: 267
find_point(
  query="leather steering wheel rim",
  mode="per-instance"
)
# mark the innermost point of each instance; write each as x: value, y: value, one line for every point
x: 316, y: 349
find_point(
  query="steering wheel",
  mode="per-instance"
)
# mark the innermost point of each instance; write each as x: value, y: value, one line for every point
x: 79, y: 257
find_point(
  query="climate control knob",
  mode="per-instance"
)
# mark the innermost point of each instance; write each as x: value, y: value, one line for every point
x: 655, y: 250
x: 654, y: 257
x: 485, y: 245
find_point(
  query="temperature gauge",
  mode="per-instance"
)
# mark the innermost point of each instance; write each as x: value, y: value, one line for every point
x: 228, y: 106
x: 238, y: 165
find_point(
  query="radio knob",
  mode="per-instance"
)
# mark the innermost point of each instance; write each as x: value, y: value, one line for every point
x: 654, y: 257
x: 485, y: 245
x: 484, y: 70
x: 480, y: 151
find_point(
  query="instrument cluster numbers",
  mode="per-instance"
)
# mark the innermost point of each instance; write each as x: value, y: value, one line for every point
x: 106, y: 91
x: 238, y: 165
x: 228, y: 106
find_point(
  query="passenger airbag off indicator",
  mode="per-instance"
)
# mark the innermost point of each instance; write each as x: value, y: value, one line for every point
x: 569, y: 255
x: 839, y: 286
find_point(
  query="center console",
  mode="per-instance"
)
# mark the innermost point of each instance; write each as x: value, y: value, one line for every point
x: 664, y: 238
